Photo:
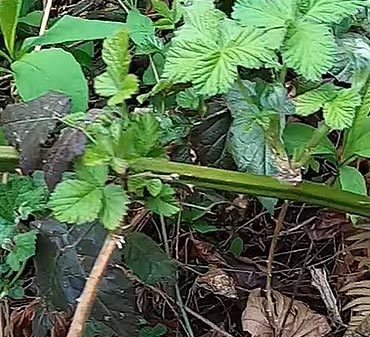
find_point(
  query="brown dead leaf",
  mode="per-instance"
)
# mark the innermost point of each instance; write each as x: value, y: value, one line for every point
x: 301, y: 321
x: 218, y: 282
x: 329, y: 225
x: 206, y: 252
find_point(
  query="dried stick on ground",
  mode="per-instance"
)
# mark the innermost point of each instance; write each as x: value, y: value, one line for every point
x: 45, y: 19
x: 91, y: 289
x: 278, y: 228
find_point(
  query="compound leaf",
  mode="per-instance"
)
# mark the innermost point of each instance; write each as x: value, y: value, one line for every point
x: 114, y: 208
x: 339, y: 105
x: 164, y: 203
x: 76, y: 201
x: 310, y: 49
x: 208, y: 49
x: 116, y: 82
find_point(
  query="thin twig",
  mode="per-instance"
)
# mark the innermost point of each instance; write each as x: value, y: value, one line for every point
x: 278, y: 228
x: 189, y: 329
x: 45, y: 19
x: 91, y: 288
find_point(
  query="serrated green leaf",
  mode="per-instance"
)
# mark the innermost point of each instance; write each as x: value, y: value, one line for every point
x: 147, y: 260
x: 71, y: 28
x: 208, y: 49
x: 96, y: 175
x: 332, y: 11
x: 9, y: 13
x: 352, y: 63
x: 76, y: 201
x: 266, y: 13
x: 352, y: 180
x: 116, y: 81
x: 51, y: 70
x: 18, y: 194
x: 188, y: 99
x: 24, y: 248
x: 164, y: 203
x: 339, y: 105
x: 310, y: 50
x: 154, y: 187
x: 114, y: 206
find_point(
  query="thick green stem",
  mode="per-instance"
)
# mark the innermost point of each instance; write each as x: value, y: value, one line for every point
x: 305, y: 154
x: 8, y: 158
x: 206, y: 177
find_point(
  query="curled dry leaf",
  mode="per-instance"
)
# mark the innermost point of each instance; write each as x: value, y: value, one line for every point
x: 301, y: 321
x: 218, y: 282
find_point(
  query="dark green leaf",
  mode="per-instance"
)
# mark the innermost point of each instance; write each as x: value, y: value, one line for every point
x: 27, y: 126
x: 237, y: 246
x: 157, y: 331
x: 147, y: 260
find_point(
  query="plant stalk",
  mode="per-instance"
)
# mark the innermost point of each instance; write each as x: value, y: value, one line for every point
x: 238, y: 182
x: 246, y: 183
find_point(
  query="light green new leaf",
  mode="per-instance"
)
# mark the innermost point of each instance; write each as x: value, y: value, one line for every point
x: 71, y: 28
x: 114, y: 206
x: 147, y: 260
x: 310, y: 50
x: 264, y: 13
x: 76, y: 201
x: 188, y: 99
x: 116, y: 82
x: 332, y: 11
x: 352, y: 180
x: 339, y: 105
x: 9, y: 13
x: 164, y: 203
x: 208, y: 49
x: 51, y: 70
x: 24, y: 248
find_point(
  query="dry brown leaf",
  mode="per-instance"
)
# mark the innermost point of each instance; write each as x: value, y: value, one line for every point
x: 301, y: 321
x: 329, y: 225
x: 218, y: 282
